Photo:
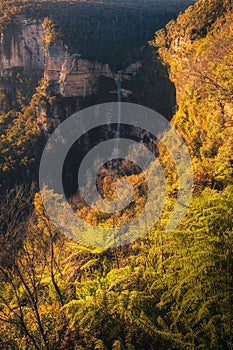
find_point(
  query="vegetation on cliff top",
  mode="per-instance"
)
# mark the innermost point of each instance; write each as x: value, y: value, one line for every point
x: 162, y: 291
x: 109, y: 32
x: 198, y: 50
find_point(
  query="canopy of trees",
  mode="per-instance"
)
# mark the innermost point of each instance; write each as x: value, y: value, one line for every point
x: 164, y: 291
x: 107, y: 31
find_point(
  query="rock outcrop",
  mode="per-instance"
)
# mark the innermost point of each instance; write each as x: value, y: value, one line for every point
x: 22, y: 46
x: 72, y: 81
x: 67, y: 76
x: 73, y: 75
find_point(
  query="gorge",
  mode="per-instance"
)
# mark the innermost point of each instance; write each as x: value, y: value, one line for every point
x: 167, y: 287
x: 72, y: 77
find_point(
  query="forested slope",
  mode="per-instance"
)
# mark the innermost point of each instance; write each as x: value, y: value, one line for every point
x: 164, y: 291
x: 198, y: 50
x: 107, y: 31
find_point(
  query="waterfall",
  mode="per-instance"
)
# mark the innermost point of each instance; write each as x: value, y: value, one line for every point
x: 119, y: 99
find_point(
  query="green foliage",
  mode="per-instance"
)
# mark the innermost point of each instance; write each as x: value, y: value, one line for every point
x: 51, y: 32
x: 196, y: 275
x: 179, y: 294
x: 165, y: 291
x: 107, y: 31
x: 18, y: 138
x: 201, y: 67
x: 21, y: 138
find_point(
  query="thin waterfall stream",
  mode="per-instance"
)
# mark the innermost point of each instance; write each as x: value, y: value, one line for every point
x: 119, y: 99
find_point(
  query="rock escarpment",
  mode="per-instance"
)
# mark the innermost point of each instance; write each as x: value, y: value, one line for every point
x: 67, y: 76
x: 74, y: 76
x: 23, y: 49
x: 197, y: 48
x: 22, y: 46
x: 72, y: 82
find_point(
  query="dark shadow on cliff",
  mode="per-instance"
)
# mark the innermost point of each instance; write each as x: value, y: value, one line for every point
x: 150, y: 87
x: 153, y: 88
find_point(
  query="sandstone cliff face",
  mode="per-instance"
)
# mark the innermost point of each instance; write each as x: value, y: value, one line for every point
x: 76, y: 82
x: 72, y: 75
x: 68, y: 76
x: 22, y: 46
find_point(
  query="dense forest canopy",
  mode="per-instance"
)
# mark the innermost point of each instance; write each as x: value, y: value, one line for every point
x: 198, y: 50
x: 106, y: 31
x: 163, y: 291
